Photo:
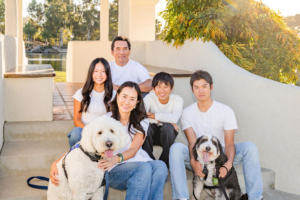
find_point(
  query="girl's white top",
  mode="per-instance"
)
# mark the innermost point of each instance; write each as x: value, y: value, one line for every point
x: 96, y: 108
x: 141, y: 155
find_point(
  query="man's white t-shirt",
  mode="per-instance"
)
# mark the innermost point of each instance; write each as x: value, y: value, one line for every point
x: 132, y: 71
x: 96, y: 107
x: 168, y: 113
x: 218, y: 118
x: 141, y: 155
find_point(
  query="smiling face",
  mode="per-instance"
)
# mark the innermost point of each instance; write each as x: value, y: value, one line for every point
x: 207, y: 148
x: 99, y: 74
x: 121, y: 52
x: 163, y: 92
x: 202, y: 89
x: 127, y: 99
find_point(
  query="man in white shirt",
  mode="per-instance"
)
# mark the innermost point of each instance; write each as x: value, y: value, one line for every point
x: 164, y: 110
x: 207, y: 116
x: 123, y: 69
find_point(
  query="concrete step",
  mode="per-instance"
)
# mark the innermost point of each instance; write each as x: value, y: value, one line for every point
x: 14, y: 187
x: 279, y: 195
x: 20, y: 131
x: 31, y: 155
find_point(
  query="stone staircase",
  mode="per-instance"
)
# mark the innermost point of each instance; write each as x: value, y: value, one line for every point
x: 30, y: 148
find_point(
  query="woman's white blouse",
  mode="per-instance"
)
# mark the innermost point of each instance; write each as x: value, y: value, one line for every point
x: 141, y: 155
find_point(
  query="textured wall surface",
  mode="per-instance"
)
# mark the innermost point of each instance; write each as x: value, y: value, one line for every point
x: 8, y: 60
x: 267, y: 112
x: 28, y: 99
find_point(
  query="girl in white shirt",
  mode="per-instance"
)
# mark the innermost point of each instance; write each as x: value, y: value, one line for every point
x: 92, y: 101
x: 131, y: 168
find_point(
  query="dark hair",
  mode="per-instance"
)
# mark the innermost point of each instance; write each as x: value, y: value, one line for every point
x: 120, y: 38
x: 89, y: 86
x: 201, y: 75
x: 136, y: 115
x: 163, y: 77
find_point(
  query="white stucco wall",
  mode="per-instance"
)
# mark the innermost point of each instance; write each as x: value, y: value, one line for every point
x: 28, y: 99
x: 8, y: 60
x: 82, y: 53
x: 1, y: 90
x: 267, y: 112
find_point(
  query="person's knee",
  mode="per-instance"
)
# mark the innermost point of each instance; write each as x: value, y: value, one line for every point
x: 167, y: 127
x: 250, y: 148
x: 177, y: 151
x: 144, y: 170
x: 76, y: 134
x: 160, y: 169
x: 167, y: 131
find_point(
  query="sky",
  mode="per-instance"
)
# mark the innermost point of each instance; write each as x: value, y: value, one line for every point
x: 286, y: 7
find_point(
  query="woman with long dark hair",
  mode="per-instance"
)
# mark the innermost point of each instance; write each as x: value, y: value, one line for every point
x: 92, y: 101
x: 131, y: 168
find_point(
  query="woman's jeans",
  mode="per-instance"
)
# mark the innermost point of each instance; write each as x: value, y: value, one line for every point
x: 245, y: 152
x: 74, y: 136
x: 142, y: 180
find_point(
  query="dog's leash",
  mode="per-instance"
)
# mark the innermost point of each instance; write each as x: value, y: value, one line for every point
x: 47, y: 179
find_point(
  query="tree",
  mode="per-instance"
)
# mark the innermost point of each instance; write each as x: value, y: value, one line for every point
x: 29, y: 30
x: 158, y: 26
x: 113, y: 19
x: 248, y: 32
x: 2, y: 16
x: 36, y: 12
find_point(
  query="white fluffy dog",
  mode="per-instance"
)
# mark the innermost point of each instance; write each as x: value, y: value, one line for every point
x: 83, y: 179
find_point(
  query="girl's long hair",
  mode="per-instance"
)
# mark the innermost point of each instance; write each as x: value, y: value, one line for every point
x: 136, y: 115
x: 89, y: 86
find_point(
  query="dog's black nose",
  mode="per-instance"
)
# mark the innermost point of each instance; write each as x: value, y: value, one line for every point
x: 207, y: 148
x: 108, y: 143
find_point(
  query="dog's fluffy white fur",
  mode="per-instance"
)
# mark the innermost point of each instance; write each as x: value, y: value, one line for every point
x: 84, y: 178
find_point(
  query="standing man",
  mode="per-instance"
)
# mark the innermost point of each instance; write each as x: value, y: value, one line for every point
x: 207, y: 116
x: 123, y: 69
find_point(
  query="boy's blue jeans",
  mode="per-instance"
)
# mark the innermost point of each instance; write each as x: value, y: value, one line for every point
x: 245, y: 152
x: 142, y: 180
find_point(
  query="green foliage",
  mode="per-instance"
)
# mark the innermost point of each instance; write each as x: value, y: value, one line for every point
x: 158, y: 26
x: 113, y: 20
x: 2, y: 16
x: 60, y: 76
x: 248, y: 32
x: 29, y: 30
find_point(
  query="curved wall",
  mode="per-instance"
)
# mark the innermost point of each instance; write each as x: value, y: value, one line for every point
x: 267, y: 112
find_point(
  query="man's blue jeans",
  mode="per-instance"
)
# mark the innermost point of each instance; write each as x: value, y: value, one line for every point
x: 245, y: 152
x: 74, y: 136
x: 142, y: 180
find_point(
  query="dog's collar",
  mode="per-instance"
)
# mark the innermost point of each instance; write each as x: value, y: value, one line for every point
x: 95, y: 157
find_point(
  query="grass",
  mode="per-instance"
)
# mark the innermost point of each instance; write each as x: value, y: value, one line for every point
x: 60, y: 76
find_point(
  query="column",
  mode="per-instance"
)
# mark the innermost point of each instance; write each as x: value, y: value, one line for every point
x: 124, y: 18
x: 142, y: 20
x: 104, y: 20
x: 20, y: 33
x: 11, y: 18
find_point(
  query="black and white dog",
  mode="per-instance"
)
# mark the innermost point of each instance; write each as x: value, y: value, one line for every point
x: 209, y: 152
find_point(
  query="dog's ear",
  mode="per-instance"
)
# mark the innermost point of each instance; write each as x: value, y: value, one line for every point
x: 222, y: 159
x: 86, y: 138
x: 194, y: 150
